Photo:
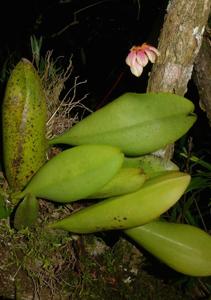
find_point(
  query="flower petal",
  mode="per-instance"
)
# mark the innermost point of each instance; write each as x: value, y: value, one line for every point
x: 136, y: 69
x: 142, y: 58
x: 130, y: 59
x: 154, y: 50
x: 139, y: 56
x: 151, y: 55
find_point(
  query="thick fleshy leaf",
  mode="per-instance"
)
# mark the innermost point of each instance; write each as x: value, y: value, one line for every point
x: 26, y: 213
x: 24, y: 115
x: 184, y: 248
x: 126, y: 181
x: 151, y: 165
x: 155, y: 197
x: 75, y: 173
x: 136, y: 123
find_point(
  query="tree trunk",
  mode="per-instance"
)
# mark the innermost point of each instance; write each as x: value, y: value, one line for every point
x: 179, y: 43
x: 202, y: 74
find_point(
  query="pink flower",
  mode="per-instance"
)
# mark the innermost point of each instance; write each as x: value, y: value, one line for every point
x: 139, y: 57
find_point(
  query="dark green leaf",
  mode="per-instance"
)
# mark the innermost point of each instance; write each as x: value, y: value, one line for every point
x: 26, y: 213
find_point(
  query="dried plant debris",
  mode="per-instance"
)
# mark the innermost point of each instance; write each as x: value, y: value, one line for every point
x: 63, y: 103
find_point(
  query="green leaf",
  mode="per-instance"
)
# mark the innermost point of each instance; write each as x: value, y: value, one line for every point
x: 184, y: 248
x: 136, y: 123
x: 75, y: 173
x: 26, y: 213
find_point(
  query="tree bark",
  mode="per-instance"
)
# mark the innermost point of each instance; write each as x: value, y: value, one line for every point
x: 202, y: 74
x: 179, y: 43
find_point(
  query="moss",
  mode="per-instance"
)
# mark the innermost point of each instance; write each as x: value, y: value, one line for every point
x: 55, y: 264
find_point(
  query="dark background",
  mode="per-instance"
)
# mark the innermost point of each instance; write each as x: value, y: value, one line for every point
x: 98, y: 34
